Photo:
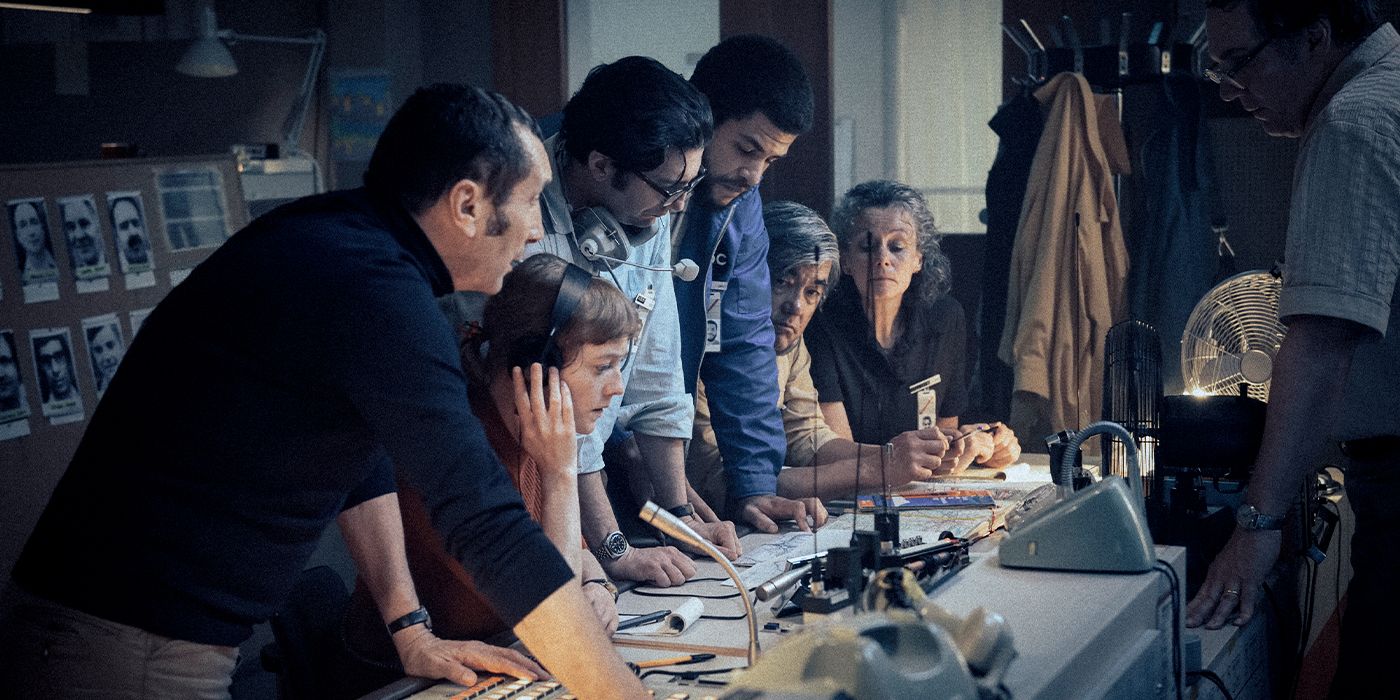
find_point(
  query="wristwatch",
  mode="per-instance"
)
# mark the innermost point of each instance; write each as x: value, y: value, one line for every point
x: 417, y: 617
x: 1249, y: 519
x: 613, y: 547
x: 683, y: 510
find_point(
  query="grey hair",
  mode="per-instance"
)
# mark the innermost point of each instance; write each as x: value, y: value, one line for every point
x: 798, y: 236
x: 936, y: 277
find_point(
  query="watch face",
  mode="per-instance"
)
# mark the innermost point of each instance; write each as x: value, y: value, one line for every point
x: 616, y: 545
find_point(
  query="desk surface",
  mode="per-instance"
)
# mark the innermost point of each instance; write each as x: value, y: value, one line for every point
x: 1076, y: 635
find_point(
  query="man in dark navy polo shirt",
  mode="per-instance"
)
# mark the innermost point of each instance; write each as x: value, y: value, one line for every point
x: 196, y: 496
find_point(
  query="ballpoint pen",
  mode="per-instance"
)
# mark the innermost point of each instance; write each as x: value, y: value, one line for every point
x: 642, y: 619
x: 978, y: 429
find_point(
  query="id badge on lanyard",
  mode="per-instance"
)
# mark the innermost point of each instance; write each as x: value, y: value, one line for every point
x: 714, y: 301
x: 926, y: 401
x: 713, y: 305
x: 645, y: 302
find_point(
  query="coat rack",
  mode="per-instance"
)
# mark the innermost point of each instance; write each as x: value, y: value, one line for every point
x: 1106, y: 65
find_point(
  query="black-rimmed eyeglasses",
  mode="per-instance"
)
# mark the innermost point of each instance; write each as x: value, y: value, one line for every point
x: 1219, y: 74
x: 670, y: 195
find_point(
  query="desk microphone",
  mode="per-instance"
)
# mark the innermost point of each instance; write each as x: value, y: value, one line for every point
x: 686, y: 269
x: 673, y: 527
x: 774, y: 587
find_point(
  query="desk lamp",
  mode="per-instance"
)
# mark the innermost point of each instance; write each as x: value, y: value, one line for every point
x: 207, y: 57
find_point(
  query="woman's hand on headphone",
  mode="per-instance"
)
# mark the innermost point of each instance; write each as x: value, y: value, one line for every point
x: 546, y: 412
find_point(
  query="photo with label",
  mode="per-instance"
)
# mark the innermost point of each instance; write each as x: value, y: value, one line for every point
x: 87, y: 248
x: 105, y: 349
x: 127, y: 213
x: 38, y: 268
x: 59, y: 397
x: 14, y: 406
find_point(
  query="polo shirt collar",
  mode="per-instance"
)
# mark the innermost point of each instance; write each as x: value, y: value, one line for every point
x: 553, y: 205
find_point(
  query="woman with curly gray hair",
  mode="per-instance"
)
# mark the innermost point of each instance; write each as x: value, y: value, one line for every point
x: 890, y: 324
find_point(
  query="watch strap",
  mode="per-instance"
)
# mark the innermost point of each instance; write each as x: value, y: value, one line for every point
x: 1250, y: 519
x: 416, y: 617
x: 607, y: 585
x: 683, y: 510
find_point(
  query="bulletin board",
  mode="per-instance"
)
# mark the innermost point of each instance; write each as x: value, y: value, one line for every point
x: 87, y: 249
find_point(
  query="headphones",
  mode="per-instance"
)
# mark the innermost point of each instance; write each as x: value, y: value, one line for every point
x: 542, y: 349
x: 599, y: 235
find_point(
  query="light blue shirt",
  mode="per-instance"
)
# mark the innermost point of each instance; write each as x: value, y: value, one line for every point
x: 654, y: 401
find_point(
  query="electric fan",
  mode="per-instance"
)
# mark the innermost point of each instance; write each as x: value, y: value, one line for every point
x: 1232, y: 336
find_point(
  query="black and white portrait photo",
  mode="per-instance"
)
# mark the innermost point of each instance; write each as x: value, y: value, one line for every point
x: 87, y: 250
x: 14, y: 407
x: 127, y: 212
x: 53, y: 364
x: 12, y: 400
x: 105, y: 349
x: 38, y: 269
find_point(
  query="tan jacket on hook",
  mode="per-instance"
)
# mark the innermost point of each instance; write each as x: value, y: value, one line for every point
x: 1069, y: 265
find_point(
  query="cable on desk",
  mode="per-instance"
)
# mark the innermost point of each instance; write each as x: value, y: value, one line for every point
x: 1213, y: 678
x: 658, y: 594
x: 670, y: 593
x: 1175, y: 584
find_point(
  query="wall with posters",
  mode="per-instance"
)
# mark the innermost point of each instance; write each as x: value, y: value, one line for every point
x: 86, y: 251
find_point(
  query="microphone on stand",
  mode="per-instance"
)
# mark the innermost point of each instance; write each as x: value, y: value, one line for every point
x: 673, y: 527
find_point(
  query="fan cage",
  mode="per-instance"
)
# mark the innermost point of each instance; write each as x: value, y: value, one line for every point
x: 1132, y: 397
x: 1236, y: 318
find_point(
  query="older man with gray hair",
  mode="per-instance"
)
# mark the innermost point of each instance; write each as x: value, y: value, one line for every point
x: 804, y: 262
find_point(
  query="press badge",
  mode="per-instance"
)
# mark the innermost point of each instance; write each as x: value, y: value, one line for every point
x: 712, y: 314
x: 646, y: 302
x: 926, y: 400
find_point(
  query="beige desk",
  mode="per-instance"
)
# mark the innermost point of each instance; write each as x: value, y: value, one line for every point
x: 1079, y: 636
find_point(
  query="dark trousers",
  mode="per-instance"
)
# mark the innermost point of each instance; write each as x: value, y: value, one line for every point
x: 1371, y: 623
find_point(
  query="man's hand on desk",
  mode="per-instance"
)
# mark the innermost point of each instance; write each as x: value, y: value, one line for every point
x: 426, y: 655
x: 658, y: 566
x: 763, y: 512
x: 1235, y: 580
x: 720, y: 533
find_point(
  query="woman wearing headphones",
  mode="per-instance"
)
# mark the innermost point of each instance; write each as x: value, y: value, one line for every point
x: 544, y: 364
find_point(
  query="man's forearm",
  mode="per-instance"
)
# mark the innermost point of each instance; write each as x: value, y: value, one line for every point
x: 1305, y: 396
x: 665, y: 463
x: 373, y: 532
x: 595, y: 509
x: 564, y: 634
x: 834, y: 471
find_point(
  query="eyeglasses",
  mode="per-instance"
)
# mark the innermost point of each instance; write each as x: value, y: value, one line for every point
x: 670, y: 195
x: 1216, y: 74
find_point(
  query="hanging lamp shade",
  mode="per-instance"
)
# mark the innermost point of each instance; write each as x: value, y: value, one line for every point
x: 207, y: 57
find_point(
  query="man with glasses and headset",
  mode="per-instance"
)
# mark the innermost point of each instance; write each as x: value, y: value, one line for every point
x: 627, y: 156
x: 1323, y: 70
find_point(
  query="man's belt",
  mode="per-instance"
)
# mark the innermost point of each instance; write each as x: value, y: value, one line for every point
x: 1372, y: 449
